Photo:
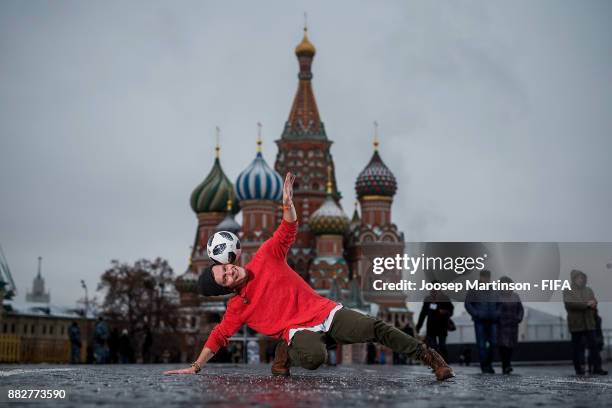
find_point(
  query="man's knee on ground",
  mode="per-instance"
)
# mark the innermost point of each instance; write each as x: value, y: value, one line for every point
x: 314, y: 360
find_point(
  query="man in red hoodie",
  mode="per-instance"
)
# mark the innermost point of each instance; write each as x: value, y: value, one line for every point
x: 274, y: 300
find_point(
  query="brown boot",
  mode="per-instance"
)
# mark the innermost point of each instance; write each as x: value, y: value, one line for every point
x: 434, y: 360
x: 280, y: 365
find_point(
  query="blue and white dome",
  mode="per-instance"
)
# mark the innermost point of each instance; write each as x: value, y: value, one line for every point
x: 259, y: 182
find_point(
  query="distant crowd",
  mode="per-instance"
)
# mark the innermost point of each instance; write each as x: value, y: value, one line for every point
x: 108, y: 346
x: 497, y: 315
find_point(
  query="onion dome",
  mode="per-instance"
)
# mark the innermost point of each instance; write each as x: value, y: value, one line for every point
x: 212, y: 194
x: 187, y: 282
x: 329, y: 217
x: 229, y: 223
x: 305, y: 48
x: 376, y: 179
x: 258, y: 181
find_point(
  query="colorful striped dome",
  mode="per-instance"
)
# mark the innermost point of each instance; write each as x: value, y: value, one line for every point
x: 376, y: 179
x: 212, y: 194
x: 259, y: 182
x: 328, y: 219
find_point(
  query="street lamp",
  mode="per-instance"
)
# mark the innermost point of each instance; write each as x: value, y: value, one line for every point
x: 84, y: 286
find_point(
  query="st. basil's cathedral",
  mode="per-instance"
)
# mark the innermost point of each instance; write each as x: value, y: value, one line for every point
x: 331, y: 252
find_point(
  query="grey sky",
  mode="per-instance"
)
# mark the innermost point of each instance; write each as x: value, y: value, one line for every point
x: 494, y: 117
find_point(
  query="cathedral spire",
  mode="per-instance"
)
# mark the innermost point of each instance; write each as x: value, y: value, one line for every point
x: 304, y: 121
x: 259, y: 137
x: 217, y: 146
x: 376, y: 140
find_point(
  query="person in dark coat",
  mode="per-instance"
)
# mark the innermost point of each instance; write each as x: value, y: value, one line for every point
x: 581, y: 307
x: 510, y: 315
x: 484, y: 307
x: 370, y: 353
x: 146, y: 345
x: 113, y: 346
x: 100, y: 342
x: 437, y: 309
x: 74, y: 333
x: 125, y: 348
x: 599, y: 342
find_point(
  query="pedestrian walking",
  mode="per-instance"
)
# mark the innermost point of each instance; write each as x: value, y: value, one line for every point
x: 126, y: 352
x: 437, y: 310
x: 74, y: 333
x: 146, y: 345
x: 113, y: 346
x: 511, y: 314
x: 483, y: 306
x: 100, y: 342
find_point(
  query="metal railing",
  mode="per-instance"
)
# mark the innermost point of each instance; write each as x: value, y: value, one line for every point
x: 17, y: 349
x: 10, y: 348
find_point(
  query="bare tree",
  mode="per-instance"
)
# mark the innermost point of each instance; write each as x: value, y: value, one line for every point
x: 139, y: 296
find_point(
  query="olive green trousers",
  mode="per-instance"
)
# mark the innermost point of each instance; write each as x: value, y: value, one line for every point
x: 308, y: 349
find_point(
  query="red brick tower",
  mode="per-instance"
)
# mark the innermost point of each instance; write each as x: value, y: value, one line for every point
x: 304, y: 149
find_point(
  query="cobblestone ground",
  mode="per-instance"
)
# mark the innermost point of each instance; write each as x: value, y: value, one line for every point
x: 351, y: 386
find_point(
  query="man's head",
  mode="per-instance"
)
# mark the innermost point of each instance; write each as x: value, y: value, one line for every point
x: 220, y: 280
x: 485, y: 276
x: 578, y: 278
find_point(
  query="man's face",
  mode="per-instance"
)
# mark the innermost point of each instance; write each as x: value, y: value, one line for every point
x: 229, y: 276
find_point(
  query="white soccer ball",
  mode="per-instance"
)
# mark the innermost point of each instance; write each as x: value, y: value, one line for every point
x: 223, y: 247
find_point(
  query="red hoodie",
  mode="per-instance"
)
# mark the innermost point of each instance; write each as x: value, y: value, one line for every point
x: 277, y: 298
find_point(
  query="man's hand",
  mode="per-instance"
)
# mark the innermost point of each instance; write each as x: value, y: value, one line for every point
x: 289, y: 213
x: 288, y: 189
x: 592, y: 304
x: 190, y: 370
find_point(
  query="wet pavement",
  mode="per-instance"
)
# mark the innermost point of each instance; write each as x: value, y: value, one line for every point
x: 223, y: 385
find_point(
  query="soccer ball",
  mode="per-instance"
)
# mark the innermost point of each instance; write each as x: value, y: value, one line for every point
x: 223, y: 247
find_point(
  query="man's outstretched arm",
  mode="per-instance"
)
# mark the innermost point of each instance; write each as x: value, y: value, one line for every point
x: 218, y: 338
x: 289, y: 213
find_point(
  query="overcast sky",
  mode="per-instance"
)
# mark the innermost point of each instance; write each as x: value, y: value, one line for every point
x: 494, y: 117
